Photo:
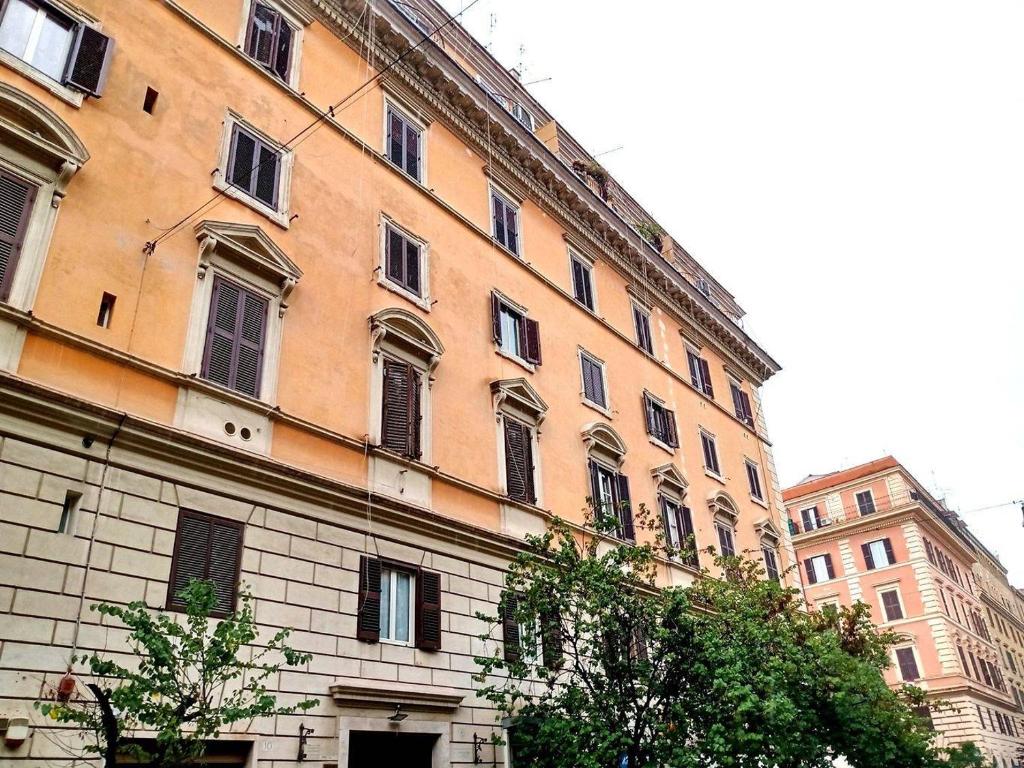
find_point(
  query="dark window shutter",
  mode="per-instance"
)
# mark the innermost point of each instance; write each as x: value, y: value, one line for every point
x: 416, y: 417
x: 428, y: 611
x: 649, y: 414
x: 412, y: 267
x: 688, y: 536
x: 673, y: 434
x: 394, y: 261
x: 891, y: 606
x: 412, y: 151
x: 242, y: 160
x: 16, y: 198
x: 250, y: 342
x: 283, y: 50
x: 89, y: 62
x: 694, y: 362
x: 398, y: 407
x: 225, y: 560
x: 888, y: 551
x: 809, y: 567
x: 625, y: 508
x: 396, y: 139
x: 512, y: 229
x: 705, y: 372
x: 210, y: 548
x: 748, y: 414
x: 643, y: 330
x: 588, y: 378
x: 266, y: 176
x: 263, y: 24
x: 869, y: 560
x: 498, y: 207
x: 737, y: 404
x: 191, y: 552
x: 368, y: 610
x: 510, y: 627
x: 531, y: 340
x: 496, y: 318
x: 595, y: 485
x: 828, y: 567
x: 551, y: 639
x: 578, y: 291
x: 235, y: 338
x: 519, y: 461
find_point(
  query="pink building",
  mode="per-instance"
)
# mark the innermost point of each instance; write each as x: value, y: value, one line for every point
x: 873, y: 534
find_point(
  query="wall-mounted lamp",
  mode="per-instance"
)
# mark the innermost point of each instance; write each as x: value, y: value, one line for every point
x: 16, y: 732
x: 304, y: 733
x: 399, y: 715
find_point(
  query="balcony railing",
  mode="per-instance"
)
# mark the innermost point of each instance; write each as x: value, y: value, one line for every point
x: 826, y: 517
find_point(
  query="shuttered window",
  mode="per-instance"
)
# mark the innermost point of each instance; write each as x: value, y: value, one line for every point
x: 679, y: 533
x: 593, y: 380
x: 269, y: 39
x: 404, y: 143
x: 505, y: 222
x: 610, y: 495
x: 771, y: 563
x: 235, y: 337
x: 891, y: 605
x: 908, y: 664
x: 514, y: 333
x: 819, y: 569
x: 398, y: 603
x: 878, y: 554
x: 206, y: 548
x: 510, y: 635
x: 401, y: 408
x: 661, y: 422
x: 700, y: 374
x: 811, y: 518
x: 754, y: 480
x: 519, y: 465
x: 710, y: 451
x: 402, y: 260
x: 865, y: 502
x: 582, y: 286
x: 16, y: 198
x: 254, y: 166
x: 642, y: 324
x: 726, y: 544
x: 741, y: 404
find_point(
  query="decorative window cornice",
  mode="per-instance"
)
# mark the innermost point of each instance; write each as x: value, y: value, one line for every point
x: 600, y: 436
x: 518, y: 395
x: 669, y: 476
x: 399, y: 327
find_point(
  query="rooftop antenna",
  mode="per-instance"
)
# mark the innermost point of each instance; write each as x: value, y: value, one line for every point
x: 609, y: 151
x: 492, y: 23
x: 534, y: 82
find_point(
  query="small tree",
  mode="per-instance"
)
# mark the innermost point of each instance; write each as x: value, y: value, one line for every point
x: 189, y: 681
x: 727, y: 672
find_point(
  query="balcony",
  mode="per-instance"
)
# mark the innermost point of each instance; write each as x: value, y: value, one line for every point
x: 826, y: 518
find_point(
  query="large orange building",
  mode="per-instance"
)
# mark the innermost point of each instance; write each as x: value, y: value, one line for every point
x: 314, y: 297
x: 873, y: 534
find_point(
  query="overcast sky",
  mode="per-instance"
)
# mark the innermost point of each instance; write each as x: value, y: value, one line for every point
x: 854, y: 174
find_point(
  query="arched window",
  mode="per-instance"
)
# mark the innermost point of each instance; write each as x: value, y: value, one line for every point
x: 725, y: 515
x: 609, y: 487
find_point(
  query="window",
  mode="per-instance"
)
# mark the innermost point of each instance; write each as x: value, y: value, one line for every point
x: 69, y: 513
x: 270, y: 39
x: 907, y: 662
x: 404, y: 259
x: 515, y: 334
x: 707, y: 442
x: 811, y: 519
x: 771, y: 563
x: 55, y: 45
x: 754, y: 480
x: 529, y: 638
x: 582, y: 282
x: 505, y: 222
x: 16, y: 198
x: 206, y: 547
x: 679, y: 533
x: 700, y: 374
x: 741, y: 404
x: 404, y: 143
x: 878, y: 554
x: 254, y: 166
x: 726, y: 543
x: 519, y: 467
x: 891, y: 607
x: 610, y: 496
x: 401, y: 411
x: 865, y: 502
x: 703, y: 287
x: 819, y: 568
x: 235, y: 337
x: 661, y: 422
x: 592, y: 372
x: 642, y: 324
x: 929, y: 551
x: 398, y: 604
x: 963, y: 661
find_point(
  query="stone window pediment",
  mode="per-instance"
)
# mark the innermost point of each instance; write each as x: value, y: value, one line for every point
x: 723, y: 507
x: 38, y: 130
x: 669, y: 477
x: 519, y: 397
x: 402, y: 332
x: 604, y: 442
x: 767, y: 531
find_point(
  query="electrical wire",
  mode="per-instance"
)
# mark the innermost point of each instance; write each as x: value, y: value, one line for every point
x: 340, y: 106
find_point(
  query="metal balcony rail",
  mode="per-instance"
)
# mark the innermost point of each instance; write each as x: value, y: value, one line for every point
x: 821, y: 515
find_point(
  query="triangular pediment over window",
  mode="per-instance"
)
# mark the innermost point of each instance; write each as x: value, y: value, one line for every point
x: 669, y: 475
x: 767, y: 530
x: 251, y: 247
x: 519, y: 394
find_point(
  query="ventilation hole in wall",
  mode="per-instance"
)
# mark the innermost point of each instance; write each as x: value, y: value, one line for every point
x: 69, y: 513
x: 229, y: 427
x: 106, y: 312
x: 150, y: 102
x: 245, y: 433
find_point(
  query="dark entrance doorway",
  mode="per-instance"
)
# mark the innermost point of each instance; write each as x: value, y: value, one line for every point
x: 374, y: 749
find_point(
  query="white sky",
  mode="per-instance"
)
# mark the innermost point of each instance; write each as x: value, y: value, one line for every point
x: 854, y: 174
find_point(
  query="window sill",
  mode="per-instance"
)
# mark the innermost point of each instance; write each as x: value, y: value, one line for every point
x: 423, y: 302
x: 602, y: 409
x: 664, y: 446
x: 714, y: 475
x: 399, y: 643
x: 759, y: 502
x: 62, y: 92
x: 494, y: 240
x: 280, y: 218
x: 515, y: 359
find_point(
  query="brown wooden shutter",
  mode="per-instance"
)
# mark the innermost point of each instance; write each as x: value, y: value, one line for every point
x: 283, y: 50
x: 412, y: 267
x: 264, y: 23
x: 595, y: 494
x: 191, y: 550
x: 89, y: 61
x: 688, y: 536
x: 531, y: 337
x: 649, y: 414
x: 221, y: 332
x: 496, y: 318
x: 395, y: 417
x: 16, y: 198
x: 737, y: 404
x: 241, y: 159
x: 869, y: 560
x: 394, y: 262
x: 207, y: 548
x: 225, y: 562
x: 705, y: 372
x: 551, y: 638
x: 368, y: 610
x: 510, y: 627
x: 673, y: 434
x: 888, y: 551
x: 519, y: 461
x: 625, y: 508
x: 267, y: 171
x: 250, y: 343
x: 694, y: 363
x: 828, y: 567
x: 809, y: 567
x: 415, y: 415
x: 512, y: 229
x: 498, y: 214
x: 428, y: 610
x: 748, y: 414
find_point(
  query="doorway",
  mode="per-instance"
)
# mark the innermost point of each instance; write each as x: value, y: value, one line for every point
x: 372, y: 749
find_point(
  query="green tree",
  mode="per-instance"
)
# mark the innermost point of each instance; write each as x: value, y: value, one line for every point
x: 727, y: 672
x: 187, y: 682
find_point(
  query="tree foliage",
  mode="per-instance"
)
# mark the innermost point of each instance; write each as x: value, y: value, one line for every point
x: 725, y: 672
x: 186, y: 681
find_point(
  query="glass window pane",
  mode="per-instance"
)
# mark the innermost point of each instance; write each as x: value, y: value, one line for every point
x: 509, y: 332
x: 52, y: 49
x: 16, y: 26
x: 878, y: 554
x: 385, y: 604
x: 403, y: 585
x: 820, y: 571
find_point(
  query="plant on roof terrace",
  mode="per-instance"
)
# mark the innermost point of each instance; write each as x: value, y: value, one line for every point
x: 596, y: 171
x: 651, y: 232
x: 608, y: 670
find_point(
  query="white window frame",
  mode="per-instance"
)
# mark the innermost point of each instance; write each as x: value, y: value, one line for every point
x: 414, y: 118
x: 882, y: 589
x: 519, y: 309
x: 871, y: 494
x: 393, y: 596
x: 818, y: 579
x: 605, y: 409
x: 281, y: 215
x: 750, y: 464
x: 874, y: 557
x: 823, y: 602
x: 636, y: 306
x: 714, y: 449
x: 819, y: 521
x: 588, y: 265
x: 516, y: 202
x: 297, y: 18
x: 424, y: 302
